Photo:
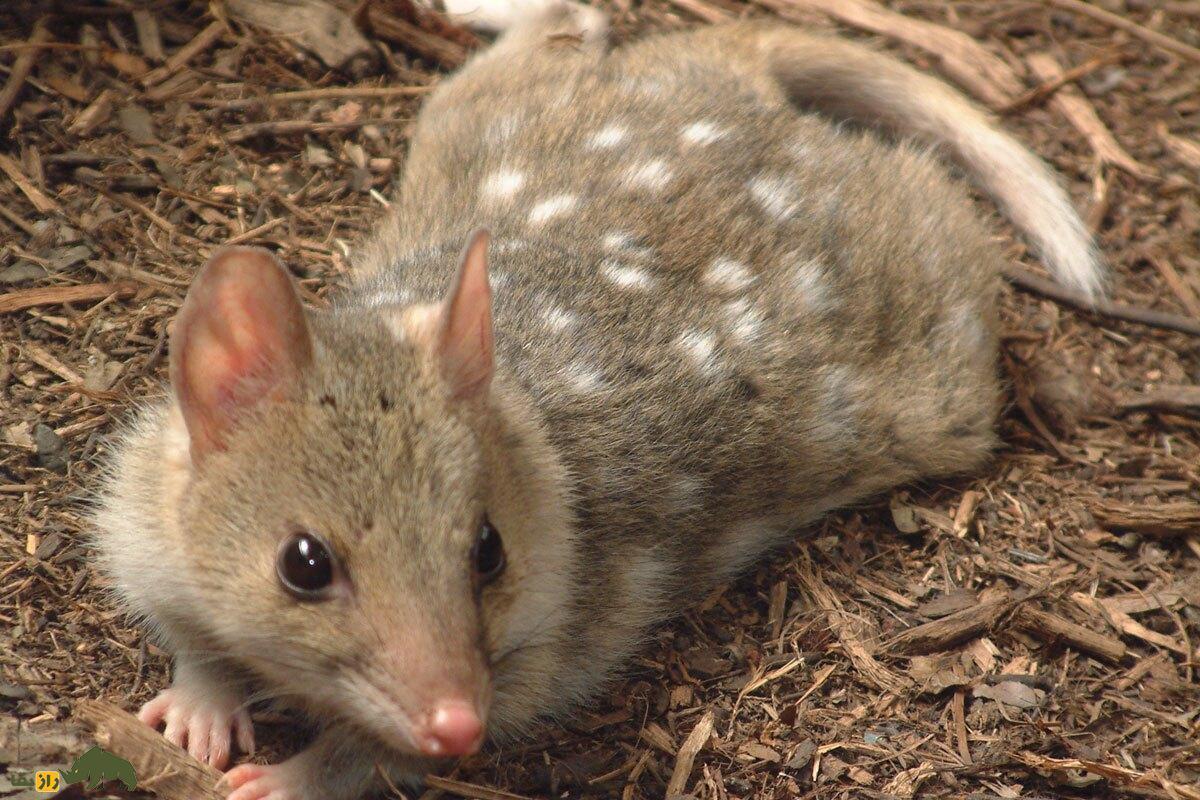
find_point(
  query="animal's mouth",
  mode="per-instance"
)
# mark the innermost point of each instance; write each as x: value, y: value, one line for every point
x: 447, y: 725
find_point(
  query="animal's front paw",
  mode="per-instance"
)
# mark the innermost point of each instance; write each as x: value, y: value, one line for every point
x: 264, y: 782
x: 205, y: 726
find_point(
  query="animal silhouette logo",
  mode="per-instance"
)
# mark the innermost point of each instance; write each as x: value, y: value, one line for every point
x: 98, y: 766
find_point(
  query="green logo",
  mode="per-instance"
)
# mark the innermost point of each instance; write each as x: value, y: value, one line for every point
x: 93, y: 768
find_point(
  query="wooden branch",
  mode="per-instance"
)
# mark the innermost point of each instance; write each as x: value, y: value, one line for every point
x: 1047, y: 88
x: 161, y: 767
x: 446, y: 53
x: 324, y: 30
x: 703, y: 10
x: 54, y: 295
x: 1163, y: 521
x: 686, y: 758
x: 1182, y: 400
x: 944, y: 633
x: 1129, y: 26
x: 1143, y: 316
x: 962, y: 58
x: 179, y: 59
x: 23, y: 66
x: 1047, y: 626
x: 1071, y: 103
x: 469, y: 790
x: 40, y: 201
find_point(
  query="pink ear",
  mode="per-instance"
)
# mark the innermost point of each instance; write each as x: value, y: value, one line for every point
x: 464, y: 342
x: 239, y: 338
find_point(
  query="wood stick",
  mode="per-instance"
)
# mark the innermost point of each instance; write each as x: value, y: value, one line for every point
x: 1143, y: 316
x: 703, y: 10
x: 1164, y: 521
x: 201, y: 42
x: 327, y: 93
x: 1185, y: 293
x: 23, y: 66
x: 1045, y: 89
x: 1049, y: 626
x: 1183, y: 400
x: 469, y: 790
x: 946, y: 632
x: 1142, y: 32
x: 289, y: 127
x: 686, y: 759
x: 53, y: 295
x: 1071, y: 103
x: 446, y: 53
x: 966, y: 61
x: 13, y: 170
x: 161, y: 767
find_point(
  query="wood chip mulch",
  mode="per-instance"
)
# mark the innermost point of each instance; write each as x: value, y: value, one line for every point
x: 1029, y: 632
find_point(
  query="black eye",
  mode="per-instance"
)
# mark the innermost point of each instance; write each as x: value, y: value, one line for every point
x: 305, y: 566
x: 488, y: 553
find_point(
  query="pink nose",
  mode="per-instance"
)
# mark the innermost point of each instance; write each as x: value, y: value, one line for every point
x: 454, y: 729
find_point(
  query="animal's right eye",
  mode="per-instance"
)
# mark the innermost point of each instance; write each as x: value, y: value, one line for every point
x: 305, y: 566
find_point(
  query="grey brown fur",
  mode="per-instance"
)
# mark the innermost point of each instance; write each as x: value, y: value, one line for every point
x: 747, y: 315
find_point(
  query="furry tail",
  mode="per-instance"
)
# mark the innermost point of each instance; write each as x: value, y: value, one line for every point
x: 850, y: 81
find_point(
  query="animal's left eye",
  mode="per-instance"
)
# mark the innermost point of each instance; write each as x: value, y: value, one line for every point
x: 305, y: 566
x: 487, y: 555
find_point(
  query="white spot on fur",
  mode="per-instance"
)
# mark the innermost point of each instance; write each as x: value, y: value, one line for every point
x: 553, y: 207
x: 608, y: 137
x: 840, y: 395
x: 963, y: 326
x: 507, y: 246
x: 627, y: 277
x: 775, y: 195
x: 653, y: 175
x: 700, y: 349
x: 745, y: 321
x: 745, y: 542
x: 627, y: 244
x: 558, y: 318
x: 685, y: 494
x: 811, y: 284
x: 505, y: 127
x: 648, y: 87
x: 503, y: 185
x: 584, y: 379
x: 702, y: 132
x: 728, y: 274
x: 393, y: 297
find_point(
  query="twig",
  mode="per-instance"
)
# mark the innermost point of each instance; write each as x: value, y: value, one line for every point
x: 446, y: 53
x: 201, y: 42
x: 161, y: 767
x: 1129, y: 26
x: 1185, y: 293
x: 469, y: 790
x: 1142, y: 316
x: 54, y: 295
x: 956, y: 628
x: 1040, y: 92
x: 703, y: 10
x: 289, y: 127
x: 1163, y: 521
x: 964, y: 59
x: 327, y: 93
x: 1079, y: 112
x: 23, y: 66
x: 13, y: 170
x: 688, y: 751
x: 1045, y: 625
x: 1184, y: 400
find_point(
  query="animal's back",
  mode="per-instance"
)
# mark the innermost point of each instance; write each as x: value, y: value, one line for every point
x: 732, y: 316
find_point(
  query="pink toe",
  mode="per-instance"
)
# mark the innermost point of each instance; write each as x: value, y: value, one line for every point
x: 243, y: 774
x: 152, y: 713
x: 198, y: 732
x: 245, y: 732
x: 176, y: 731
x: 218, y: 747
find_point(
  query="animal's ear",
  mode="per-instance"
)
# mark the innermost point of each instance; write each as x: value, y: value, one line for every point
x: 464, y: 328
x: 239, y: 339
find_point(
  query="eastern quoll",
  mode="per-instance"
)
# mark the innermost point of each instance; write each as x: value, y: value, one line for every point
x: 636, y: 314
